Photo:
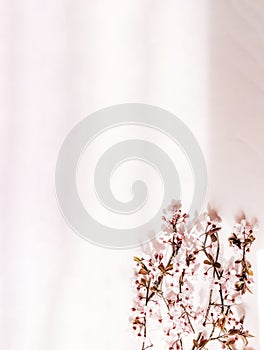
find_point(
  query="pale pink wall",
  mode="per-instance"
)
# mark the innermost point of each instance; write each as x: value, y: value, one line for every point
x: 237, y: 106
x: 236, y: 170
x: 65, y: 59
x: 61, y: 61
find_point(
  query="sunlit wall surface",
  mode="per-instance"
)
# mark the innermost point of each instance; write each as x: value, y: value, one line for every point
x: 62, y: 61
x: 236, y: 168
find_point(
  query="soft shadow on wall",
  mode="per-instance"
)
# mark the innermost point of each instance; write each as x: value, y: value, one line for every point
x: 236, y: 169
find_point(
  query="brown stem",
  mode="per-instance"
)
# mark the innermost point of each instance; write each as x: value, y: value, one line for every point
x: 188, y: 318
x: 175, y: 249
x: 197, y: 339
x: 209, y: 306
x: 181, y: 344
x: 145, y: 318
x: 149, y: 296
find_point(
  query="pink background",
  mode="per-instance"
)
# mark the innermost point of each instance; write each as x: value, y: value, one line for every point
x: 62, y: 60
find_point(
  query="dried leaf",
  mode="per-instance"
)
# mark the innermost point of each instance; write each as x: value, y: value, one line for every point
x: 221, y: 323
x: 170, y: 267
x: 143, y: 271
x: 250, y: 272
x: 195, y: 343
x: 143, y: 281
x: 136, y: 321
x: 162, y: 268
x: 234, y: 331
x: 231, y: 341
x: 209, y: 256
x: 137, y: 259
x: 239, y: 285
x: 217, y: 265
x: 207, y: 262
x: 213, y: 238
x: 215, y: 229
x: 203, y: 342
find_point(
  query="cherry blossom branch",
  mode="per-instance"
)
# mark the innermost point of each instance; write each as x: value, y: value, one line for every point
x: 165, y: 285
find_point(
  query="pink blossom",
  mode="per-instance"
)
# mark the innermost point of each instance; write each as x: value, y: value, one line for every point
x: 186, y: 288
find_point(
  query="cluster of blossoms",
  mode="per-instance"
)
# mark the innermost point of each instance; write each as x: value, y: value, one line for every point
x: 188, y: 289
